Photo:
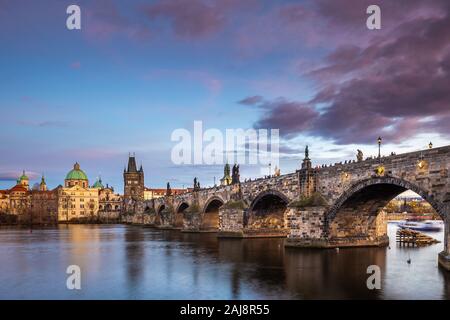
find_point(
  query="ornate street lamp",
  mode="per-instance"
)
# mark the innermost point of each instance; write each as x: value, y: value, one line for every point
x: 430, y: 145
x: 379, y: 147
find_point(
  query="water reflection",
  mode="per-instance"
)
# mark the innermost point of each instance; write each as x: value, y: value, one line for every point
x: 134, y: 256
x: 131, y: 262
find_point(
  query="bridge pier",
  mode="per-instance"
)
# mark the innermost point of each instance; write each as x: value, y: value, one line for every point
x: 444, y: 256
x: 233, y: 218
x: 309, y: 229
x: 191, y: 220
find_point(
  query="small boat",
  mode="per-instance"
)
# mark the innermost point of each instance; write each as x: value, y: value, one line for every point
x: 421, y: 226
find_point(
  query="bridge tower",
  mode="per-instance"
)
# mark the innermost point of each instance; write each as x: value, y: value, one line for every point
x: 133, y: 180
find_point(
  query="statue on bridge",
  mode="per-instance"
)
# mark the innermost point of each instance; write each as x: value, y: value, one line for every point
x: 196, y: 184
x: 359, y: 156
x: 235, y: 177
x: 169, y: 190
x: 306, y: 164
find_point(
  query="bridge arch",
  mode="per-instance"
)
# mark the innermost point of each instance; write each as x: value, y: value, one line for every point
x: 179, y: 214
x: 160, y: 208
x: 391, y: 186
x: 267, y: 210
x: 158, y: 218
x: 210, y: 213
x: 357, y: 217
x: 183, y: 205
x: 147, y: 209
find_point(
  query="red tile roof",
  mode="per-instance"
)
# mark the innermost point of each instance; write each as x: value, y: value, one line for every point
x: 18, y: 188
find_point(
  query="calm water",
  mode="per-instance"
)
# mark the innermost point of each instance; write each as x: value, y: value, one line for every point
x: 132, y: 262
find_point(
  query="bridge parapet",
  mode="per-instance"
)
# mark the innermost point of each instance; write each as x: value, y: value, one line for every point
x: 426, y: 170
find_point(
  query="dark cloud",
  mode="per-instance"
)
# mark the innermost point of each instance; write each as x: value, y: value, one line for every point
x: 396, y: 85
x: 288, y: 116
x: 250, y: 101
x: 195, y: 18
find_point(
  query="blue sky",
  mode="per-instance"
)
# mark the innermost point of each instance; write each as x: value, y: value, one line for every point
x: 138, y: 70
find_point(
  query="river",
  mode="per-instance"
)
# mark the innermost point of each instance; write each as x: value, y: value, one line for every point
x: 134, y: 262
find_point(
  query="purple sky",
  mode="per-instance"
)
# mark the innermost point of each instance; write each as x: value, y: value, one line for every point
x: 140, y: 69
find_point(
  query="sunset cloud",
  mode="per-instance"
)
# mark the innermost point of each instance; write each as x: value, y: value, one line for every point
x: 388, y: 86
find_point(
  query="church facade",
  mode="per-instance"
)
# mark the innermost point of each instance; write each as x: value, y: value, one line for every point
x: 20, y: 204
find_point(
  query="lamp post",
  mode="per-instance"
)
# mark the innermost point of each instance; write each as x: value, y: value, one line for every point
x: 379, y: 147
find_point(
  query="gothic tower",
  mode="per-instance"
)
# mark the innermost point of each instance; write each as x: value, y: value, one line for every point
x: 133, y: 180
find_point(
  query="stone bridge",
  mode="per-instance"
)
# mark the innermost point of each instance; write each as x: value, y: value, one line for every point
x: 329, y: 206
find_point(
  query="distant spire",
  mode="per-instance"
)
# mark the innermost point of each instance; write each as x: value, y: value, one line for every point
x: 43, y: 185
x: 132, y: 164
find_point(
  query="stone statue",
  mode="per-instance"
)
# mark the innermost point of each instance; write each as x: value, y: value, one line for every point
x: 169, y: 190
x: 359, y: 156
x: 196, y: 184
x: 307, y: 152
x: 235, y: 177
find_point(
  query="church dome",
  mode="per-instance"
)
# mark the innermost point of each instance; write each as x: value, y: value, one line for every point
x: 76, y: 173
x: 98, y: 184
x: 23, y: 177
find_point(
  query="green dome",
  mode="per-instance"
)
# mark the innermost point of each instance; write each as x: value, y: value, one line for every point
x: 98, y: 184
x: 23, y: 177
x: 76, y: 173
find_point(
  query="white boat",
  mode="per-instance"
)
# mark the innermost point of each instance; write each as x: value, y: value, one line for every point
x: 421, y: 226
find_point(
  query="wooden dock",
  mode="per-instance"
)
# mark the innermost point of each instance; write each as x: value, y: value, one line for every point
x: 407, y: 237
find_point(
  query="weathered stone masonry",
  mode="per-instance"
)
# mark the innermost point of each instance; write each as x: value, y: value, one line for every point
x: 339, y: 205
